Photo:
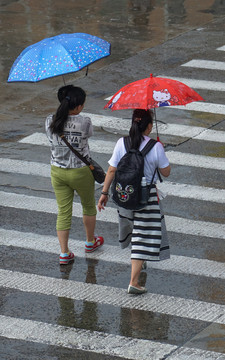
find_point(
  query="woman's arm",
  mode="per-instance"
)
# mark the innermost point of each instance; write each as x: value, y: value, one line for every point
x: 108, y: 180
x: 165, y: 171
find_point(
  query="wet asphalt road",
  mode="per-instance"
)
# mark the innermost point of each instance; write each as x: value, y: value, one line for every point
x: 143, y: 42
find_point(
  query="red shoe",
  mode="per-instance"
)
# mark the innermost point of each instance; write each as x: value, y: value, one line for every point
x: 90, y: 247
x: 64, y: 259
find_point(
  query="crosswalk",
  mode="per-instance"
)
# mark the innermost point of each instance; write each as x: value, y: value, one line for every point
x: 195, y: 309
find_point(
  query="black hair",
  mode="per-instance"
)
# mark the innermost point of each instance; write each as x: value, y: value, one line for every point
x: 140, y: 120
x: 70, y: 97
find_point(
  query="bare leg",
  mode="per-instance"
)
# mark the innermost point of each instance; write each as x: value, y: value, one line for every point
x: 89, y: 224
x: 135, y: 272
x: 63, y: 236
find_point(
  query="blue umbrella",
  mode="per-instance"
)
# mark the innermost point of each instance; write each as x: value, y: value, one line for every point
x: 58, y: 55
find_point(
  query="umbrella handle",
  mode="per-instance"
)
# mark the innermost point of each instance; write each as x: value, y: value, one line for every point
x: 156, y: 125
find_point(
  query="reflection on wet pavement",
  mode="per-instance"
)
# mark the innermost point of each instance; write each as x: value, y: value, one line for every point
x: 130, y: 26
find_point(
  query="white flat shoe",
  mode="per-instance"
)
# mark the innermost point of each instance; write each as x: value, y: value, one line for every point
x: 135, y: 290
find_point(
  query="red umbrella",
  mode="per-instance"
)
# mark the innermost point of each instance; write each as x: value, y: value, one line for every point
x: 151, y: 93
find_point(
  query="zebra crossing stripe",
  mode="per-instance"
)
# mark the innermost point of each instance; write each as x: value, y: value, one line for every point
x: 165, y: 129
x: 169, y: 188
x: 206, y: 64
x: 175, y: 157
x: 109, y: 253
x: 97, y: 342
x: 222, y: 48
x: 202, y: 107
x: 106, y: 147
x: 86, y: 340
x: 207, y: 162
x: 170, y: 305
x: 193, y: 192
x: 199, y: 84
x: 174, y: 224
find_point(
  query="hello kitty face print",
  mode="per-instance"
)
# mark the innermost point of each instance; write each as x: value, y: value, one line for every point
x: 162, y: 97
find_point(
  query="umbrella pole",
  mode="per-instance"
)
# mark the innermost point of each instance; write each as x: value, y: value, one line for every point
x: 63, y: 80
x: 156, y: 125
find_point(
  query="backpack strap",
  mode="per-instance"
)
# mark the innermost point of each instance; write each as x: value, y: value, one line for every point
x: 145, y: 150
x: 127, y: 143
x: 148, y: 146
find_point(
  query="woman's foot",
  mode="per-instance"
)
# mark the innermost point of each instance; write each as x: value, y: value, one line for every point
x: 92, y: 246
x: 136, y: 290
x: 66, y: 258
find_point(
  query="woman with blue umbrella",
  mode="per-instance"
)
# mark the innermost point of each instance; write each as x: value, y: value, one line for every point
x: 68, y: 172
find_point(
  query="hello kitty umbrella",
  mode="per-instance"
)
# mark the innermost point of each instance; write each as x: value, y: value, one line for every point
x: 152, y: 92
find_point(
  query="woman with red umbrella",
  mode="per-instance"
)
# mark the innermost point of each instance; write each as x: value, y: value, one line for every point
x: 145, y: 228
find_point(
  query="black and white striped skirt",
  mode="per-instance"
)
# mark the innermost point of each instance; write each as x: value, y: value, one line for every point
x: 146, y: 230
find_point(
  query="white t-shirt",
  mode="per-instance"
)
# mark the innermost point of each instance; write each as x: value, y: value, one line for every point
x: 155, y: 158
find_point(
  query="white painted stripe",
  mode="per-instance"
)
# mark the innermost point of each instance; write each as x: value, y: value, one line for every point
x: 199, y: 84
x: 222, y: 48
x: 207, y: 162
x: 193, y: 192
x: 190, y: 353
x: 212, y: 135
x: 109, y: 253
x: 97, y: 342
x: 206, y: 64
x: 202, y: 107
x: 174, y: 224
x: 170, y: 305
x: 99, y: 146
x: 175, y: 157
x: 104, y: 146
x: 107, y: 147
x: 86, y: 340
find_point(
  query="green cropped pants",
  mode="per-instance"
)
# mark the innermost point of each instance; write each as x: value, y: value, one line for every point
x: 65, y: 182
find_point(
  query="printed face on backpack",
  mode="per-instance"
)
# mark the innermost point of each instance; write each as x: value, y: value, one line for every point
x: 123, y: 195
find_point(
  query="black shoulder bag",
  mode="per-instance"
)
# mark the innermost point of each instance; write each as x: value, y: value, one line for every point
x: 96, y: 169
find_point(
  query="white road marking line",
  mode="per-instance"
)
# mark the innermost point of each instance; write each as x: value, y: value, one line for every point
x: 175, y: 157
x: 222, y: 48
x: 106, y: 147
x: 99, y: 146
x: 199, y: 84
x: 194, y: 354
x: 86, y: 340
x: 193, y: 192
x: 97, y: 342
x: 206, y: 64
x: 174, y: 224
x: 170, y: 305
x: 174, y: 189
x: 202, y: 107
x: 207, y: 162
x: 211, y: 135
x: 169, y: 188
x: 109, y: 253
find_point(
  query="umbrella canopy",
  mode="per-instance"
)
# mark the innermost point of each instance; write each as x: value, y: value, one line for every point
x: 151, y: 93
x: 58, y: 55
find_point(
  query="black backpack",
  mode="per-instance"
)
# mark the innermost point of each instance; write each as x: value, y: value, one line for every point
x: 126, y: 186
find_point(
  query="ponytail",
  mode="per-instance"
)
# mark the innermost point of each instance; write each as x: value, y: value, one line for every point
x: 140, y: 120
x: 70, y: 97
